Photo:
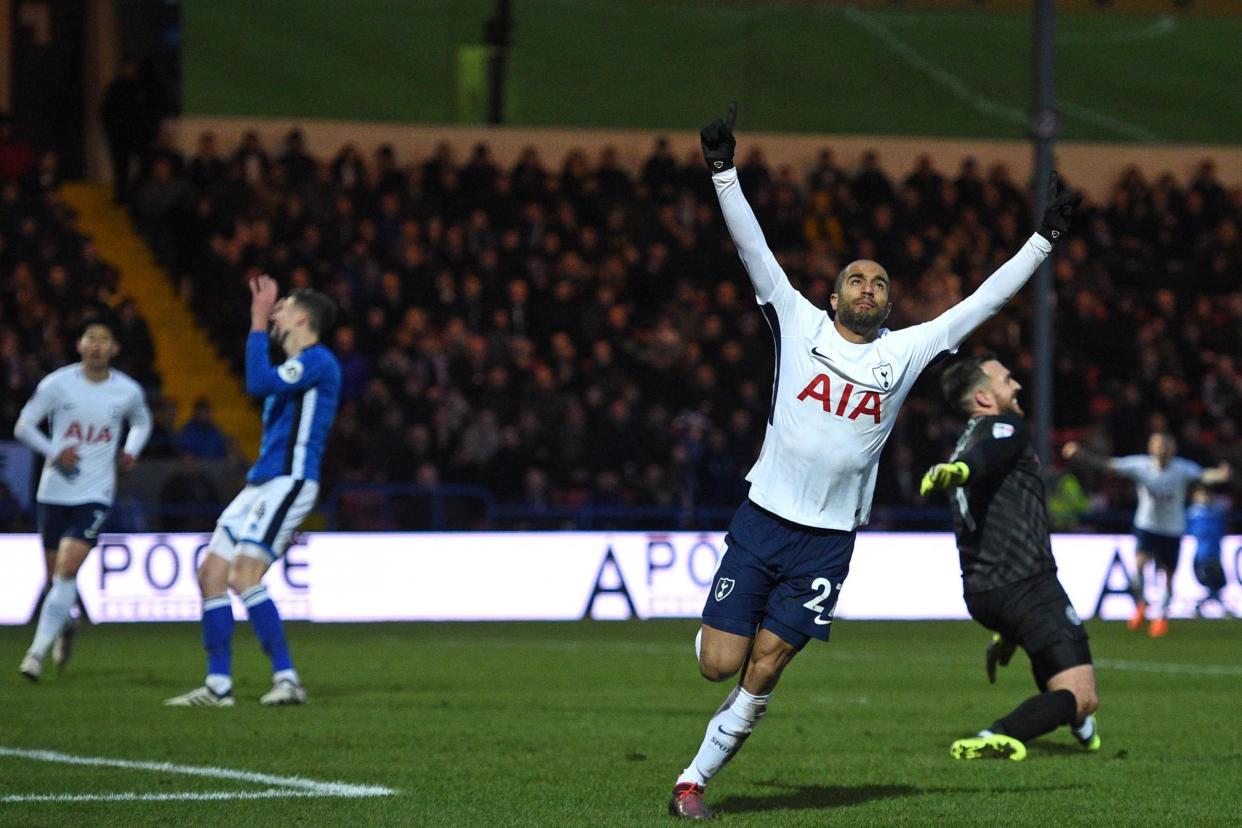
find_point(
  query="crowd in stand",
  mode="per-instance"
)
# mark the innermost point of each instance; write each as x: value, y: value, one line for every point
x: 568, y: 332
x: 576, y: 333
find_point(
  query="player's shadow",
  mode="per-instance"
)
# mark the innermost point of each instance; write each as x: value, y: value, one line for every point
x: 803, y: 797
x: 798, y: 797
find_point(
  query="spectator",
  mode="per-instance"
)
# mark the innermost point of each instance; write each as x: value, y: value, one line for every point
x: 200, y: 436
x: 189, y: 498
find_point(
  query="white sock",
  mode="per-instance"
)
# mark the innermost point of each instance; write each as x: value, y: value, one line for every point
x: 285, y: 675
x: 726, y: 733
x: 1086, y: 730
x: 55, y: 613
x: 219, y: 683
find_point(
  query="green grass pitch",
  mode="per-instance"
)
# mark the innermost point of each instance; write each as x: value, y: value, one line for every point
x: 589, y: 724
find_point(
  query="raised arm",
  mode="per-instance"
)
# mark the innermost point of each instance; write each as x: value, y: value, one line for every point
x: 1222, y: 473
x: 765, y: 273
x: 718, y: 146
x: 959, y: 321
x: 1075, y: 453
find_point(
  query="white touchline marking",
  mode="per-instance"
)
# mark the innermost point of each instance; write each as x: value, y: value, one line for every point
x: 288, y: 786
x: 187, y: 796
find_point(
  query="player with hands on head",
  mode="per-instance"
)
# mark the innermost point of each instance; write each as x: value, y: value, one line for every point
x: 300, y: 399
x: 839, y: 381
x: 1000, y: 518
x: 1161, y: 478
x: 86, y: 405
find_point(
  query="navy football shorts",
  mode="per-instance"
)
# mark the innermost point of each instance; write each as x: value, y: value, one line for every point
x: 81, y: 521
x: 1164, y: 548
x: 778, y: 575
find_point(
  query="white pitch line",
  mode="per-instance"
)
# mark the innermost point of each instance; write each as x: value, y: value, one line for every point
x: 1178, y: 669
x: 186, y: 796
x: 295, y: 785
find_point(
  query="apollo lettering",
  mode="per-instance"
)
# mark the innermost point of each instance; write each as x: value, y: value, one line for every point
x: 74, y: 432
x: 820, y: 388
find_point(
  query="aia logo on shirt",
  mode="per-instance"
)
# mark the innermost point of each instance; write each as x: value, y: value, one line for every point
x: 846, y: 404
x: 89, y: 435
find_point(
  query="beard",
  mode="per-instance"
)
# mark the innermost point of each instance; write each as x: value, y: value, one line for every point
x: 861, y: 320
x: 277, y: 336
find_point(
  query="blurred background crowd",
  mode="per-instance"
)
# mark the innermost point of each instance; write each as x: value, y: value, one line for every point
x: 568, y: 334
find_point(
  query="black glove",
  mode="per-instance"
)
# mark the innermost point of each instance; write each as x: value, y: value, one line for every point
x: 999, y: 652
x: 718, y: 141
x: 1060, y: 209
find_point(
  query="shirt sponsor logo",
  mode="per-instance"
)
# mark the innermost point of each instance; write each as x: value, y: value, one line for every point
x: 1002, y: 430
x: 820, y: 388
x: 90, y: 434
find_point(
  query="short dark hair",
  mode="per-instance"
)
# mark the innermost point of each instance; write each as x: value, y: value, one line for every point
x: 319, y: 308
x: 103, y: 322
x: 962, y: 377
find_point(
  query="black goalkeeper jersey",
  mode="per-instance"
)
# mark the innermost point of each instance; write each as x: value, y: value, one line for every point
x: 1000, y: 516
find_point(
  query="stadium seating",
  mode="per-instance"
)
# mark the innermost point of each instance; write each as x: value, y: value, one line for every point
x: 582, y: 336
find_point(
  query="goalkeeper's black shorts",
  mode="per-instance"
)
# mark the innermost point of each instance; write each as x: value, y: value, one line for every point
x: 1037, y: 615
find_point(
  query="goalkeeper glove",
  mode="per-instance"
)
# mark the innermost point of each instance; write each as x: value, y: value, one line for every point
x: 1060, y: 209
x: 718, y: 141
x: 999, y: 652
x: 944, y: 475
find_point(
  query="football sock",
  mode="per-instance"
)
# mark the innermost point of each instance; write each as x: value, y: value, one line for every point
x: 726, y: 733
x: 218, y: 642
x: 265, y: 619
x: 1086, y: 730
x: 54, y: 614
x: 1038, y: 715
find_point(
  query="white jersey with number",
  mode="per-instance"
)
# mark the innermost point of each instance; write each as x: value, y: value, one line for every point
x: 834, y: 402
x: 1161, y: 491
x: 90, y: 416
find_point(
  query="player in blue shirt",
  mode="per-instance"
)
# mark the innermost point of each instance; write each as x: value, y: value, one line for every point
x: 300, y: 401
x: 1205, y: 522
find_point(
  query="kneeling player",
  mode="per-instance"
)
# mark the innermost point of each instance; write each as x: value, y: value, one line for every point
x: 1001, y: 520
x: 301, y: 396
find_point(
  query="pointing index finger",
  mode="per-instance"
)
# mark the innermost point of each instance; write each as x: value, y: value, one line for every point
x: 732, y: 116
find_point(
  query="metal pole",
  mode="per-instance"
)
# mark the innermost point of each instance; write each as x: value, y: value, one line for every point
x: 497, y: 33
x: 1046, y: 126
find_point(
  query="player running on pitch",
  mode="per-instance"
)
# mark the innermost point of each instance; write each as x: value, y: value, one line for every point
x: 300, y: 401
x: 1161, y: 479
x: 1009, y: 577
x: 86, y: 405
x: 838, y: 385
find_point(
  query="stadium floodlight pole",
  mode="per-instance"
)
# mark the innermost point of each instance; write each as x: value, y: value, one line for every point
x: 498, y: 34
x: 1046, y: 125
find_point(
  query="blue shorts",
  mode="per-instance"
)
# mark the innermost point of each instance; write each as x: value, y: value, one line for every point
x: 779, y: 575
x: 80, y: 522
x: 1163, y: 548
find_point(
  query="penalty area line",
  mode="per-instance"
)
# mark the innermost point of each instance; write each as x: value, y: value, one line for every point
x: 282, y: 786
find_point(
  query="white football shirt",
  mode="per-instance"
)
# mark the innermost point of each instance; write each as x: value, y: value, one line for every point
x: 1161, y: 492
x: 834, y: 402
x: 88, y: 415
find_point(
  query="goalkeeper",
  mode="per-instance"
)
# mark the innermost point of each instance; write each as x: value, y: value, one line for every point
x: 1001, y: 520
